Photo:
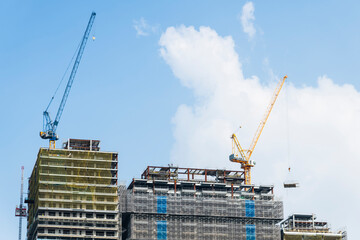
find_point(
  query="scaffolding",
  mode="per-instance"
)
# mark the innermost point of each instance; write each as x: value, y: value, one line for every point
x: 73, y: 194
x: 145, y: 226
x: 220, y: 206
x: 187, y: 203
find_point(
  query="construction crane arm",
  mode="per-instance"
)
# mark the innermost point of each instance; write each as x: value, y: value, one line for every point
x: 244, y: 160
x: 265, y: 118
x: 73, y: 71
x: 49, y: 126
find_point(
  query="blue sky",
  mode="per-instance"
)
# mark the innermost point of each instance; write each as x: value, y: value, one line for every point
x: 127, y: 93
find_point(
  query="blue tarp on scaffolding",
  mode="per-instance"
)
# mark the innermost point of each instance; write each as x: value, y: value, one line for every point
x: 161, y: 204
x: 161, y: 230
x: 250, y: 232
x: 249, y: 208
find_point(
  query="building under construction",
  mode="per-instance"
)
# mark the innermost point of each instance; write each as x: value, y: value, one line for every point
x: 188, y: 203
x: 306, y: 226
x: 73, y: 193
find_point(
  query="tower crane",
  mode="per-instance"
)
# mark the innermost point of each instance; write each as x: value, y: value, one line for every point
x: 20, y: 210
x: 49, y: 126
x: 245, y: 154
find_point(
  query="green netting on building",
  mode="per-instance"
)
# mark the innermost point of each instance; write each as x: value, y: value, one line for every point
x: 73, y: 179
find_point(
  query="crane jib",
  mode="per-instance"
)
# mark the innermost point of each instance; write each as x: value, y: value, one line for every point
x: 49, y: 127
x: 73, y: 71
x: 244, y: 160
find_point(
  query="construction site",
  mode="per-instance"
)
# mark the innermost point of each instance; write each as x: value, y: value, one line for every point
x: 73, y: 193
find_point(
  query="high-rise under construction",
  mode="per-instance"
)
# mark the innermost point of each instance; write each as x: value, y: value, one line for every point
x: 73, y: 193
x: 204, y: 204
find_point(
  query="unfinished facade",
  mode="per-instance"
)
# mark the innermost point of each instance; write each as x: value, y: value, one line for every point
x: 306, y: 226
x: 188, y: 203
x: 73, y: 193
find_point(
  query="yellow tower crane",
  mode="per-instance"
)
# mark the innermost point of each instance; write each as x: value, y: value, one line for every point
x: 244, y: 157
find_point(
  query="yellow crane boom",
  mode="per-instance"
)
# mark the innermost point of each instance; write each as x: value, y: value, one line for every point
x: 244, y: 160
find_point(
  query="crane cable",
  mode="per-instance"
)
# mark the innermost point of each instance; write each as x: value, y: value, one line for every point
x: 287, y: 127
x: 286, y: 88
x: 63, y: 77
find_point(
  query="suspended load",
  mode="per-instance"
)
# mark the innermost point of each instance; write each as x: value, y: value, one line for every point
x: 291, y: 183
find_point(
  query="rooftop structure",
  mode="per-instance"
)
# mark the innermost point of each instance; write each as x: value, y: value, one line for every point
x: 73, y: 193
x: 82, y: 144
x: 305, y: 226
x: 172, y: 173
x: 189, y: 203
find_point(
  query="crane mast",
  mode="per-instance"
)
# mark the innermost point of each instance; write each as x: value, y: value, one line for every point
x: 244, y: 159
x: 49, y: 126
x: 21, y: 210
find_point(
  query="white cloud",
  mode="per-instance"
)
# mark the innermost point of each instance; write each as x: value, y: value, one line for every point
x: 143, y: 28
x: 247, y: 17
x: 323, y: 124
